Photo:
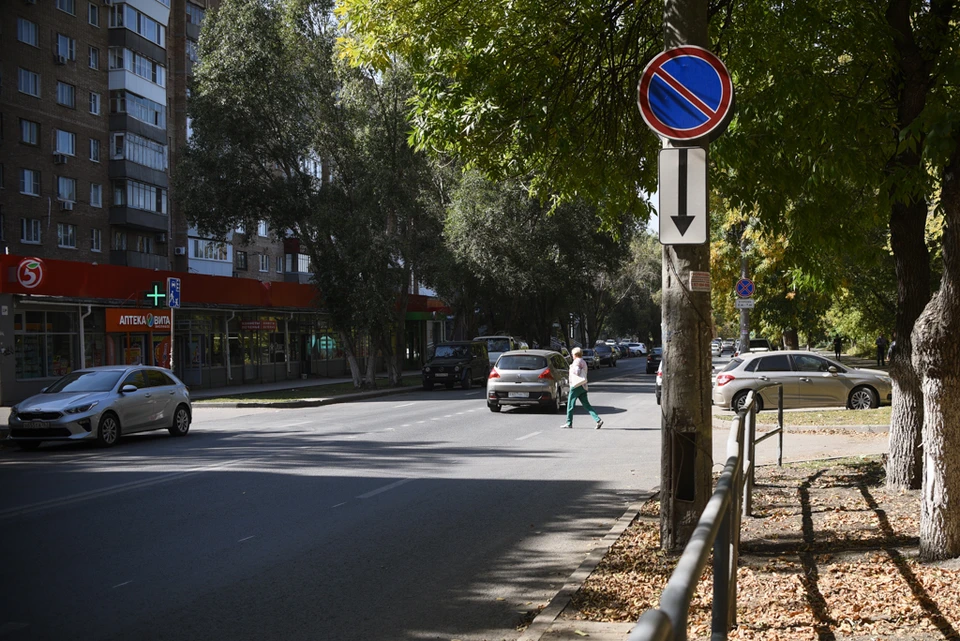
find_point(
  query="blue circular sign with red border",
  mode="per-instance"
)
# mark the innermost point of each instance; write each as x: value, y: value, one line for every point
x: 745, y: 288
x: 686, y: 93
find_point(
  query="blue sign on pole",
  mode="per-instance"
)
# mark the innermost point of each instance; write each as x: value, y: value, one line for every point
x: 173, y: 292
x: 685, y: 94
x: 745, y: 288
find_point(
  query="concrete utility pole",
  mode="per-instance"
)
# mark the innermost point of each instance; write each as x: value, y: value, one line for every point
x: 686, y: 422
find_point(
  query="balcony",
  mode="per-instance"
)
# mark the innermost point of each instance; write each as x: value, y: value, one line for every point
x: 138, y: 259
x: 135, y: 42
x: 147, y: 220
x: 127, y: 169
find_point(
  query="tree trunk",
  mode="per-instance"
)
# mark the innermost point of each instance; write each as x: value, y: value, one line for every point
x: 937, y: 360
x: 909, y: 88
x: 350, y: 352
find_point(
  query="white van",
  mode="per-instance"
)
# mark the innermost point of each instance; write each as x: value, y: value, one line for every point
x: 497, y: 345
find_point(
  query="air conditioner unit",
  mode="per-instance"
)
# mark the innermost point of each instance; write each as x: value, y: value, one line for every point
x: 59, y: 159
x: 66, y: 205
x: 60, y: 60
x: 161, y: 237
x: 180, y: 251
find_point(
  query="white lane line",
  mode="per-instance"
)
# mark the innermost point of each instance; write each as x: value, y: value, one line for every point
x: 472, y: 393
x: 389, y: 429
x: 405, y: 425
x: 531, y: 435
x: 122, y: 487
x: 120, y: 585
x: 340, y: 504
x: 460, y: 413
x: 295, y: 424
x: 404, y: 405
x: 247, y: 538
x: 354, y: 436
x: 434, y: 419
x: 385, y: 488
x: 420, y: 422
x: 448, y: 416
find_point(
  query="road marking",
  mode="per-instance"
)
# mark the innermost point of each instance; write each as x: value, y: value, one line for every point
x: 389, y: 429
x: 353, y: 436
x: 472, y: 393
x: 295, y: 424
x: 404, y: 405
x: 460, y: 413
x: 340, y: 504
x: 523, y: 438
x: 122, y: 487
x: 120, y: 585
x: 405, y: 425
x: 434, y: 419
x: 420, y: 422
x: 247, y: 538
x: 385, y: 488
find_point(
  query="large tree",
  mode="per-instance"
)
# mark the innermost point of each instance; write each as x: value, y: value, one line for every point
x: 283, y: 133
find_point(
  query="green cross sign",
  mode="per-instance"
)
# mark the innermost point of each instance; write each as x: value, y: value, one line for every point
x: 156, y: 295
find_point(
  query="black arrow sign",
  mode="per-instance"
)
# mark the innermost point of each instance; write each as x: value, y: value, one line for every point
x: 682, y: 221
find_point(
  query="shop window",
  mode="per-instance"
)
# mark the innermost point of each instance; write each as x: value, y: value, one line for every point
x: 46, y: 344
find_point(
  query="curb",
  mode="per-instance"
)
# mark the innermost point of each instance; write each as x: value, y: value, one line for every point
x: 542, y: 623
x: 313, y: 402
x: 723, y: 423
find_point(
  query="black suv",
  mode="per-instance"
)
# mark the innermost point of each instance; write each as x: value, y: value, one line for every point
x: 463, y: 362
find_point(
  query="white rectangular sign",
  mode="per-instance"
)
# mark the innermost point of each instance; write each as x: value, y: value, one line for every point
x: 744, y: 303
x: 683, y: 196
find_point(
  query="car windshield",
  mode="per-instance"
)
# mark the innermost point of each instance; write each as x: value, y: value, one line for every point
x: 452, y: 351
x: 658, y: 351
x: 521, y: 362
x: 498, y: 345
x: 603, y: 349
x: 588, y: 352
x: 86, y: 382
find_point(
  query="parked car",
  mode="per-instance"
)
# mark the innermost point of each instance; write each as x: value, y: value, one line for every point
x: 102, y: 404
x: 809, y: 380
x: 463, y: 362
x: 532, y: 377
x: 653, y: 359
x: 728, y: 345
x: 590, y: 358
x: 637, y: 349
x: 716, y: 347
x: 605, y: 354
x: 659, y: 384
x: 756, y: 345
x: 499, y: 344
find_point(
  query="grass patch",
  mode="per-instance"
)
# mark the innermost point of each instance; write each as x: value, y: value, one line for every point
x: 304, y: 393
x: 822, y: 418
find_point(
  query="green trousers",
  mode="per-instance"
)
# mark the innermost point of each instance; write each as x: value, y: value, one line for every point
x: 579, y: 393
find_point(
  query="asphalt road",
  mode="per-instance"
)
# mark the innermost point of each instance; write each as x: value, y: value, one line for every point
x: 410, y: 517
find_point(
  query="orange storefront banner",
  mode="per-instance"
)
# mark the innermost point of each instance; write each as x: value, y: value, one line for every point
x: 137, y: 320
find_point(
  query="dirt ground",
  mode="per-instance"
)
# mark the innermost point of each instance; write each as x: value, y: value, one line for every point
x: 830, y: 553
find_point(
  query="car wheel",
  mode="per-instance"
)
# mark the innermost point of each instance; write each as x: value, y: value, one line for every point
x: 28, y: 446
x: 181, y: 421
x: 108, y: 432
x: 467, y: 380
x: 494, y: 407
x: 862, y: 398
x: 428, y: 386
x: 741, y: 398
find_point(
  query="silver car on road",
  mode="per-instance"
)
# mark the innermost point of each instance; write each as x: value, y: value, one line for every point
x: 531, y: 377
x: 101, y: 404
x: 809, y: 380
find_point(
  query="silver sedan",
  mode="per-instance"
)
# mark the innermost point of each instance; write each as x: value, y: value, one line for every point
x: 101, y: 404
x: 808, y: 380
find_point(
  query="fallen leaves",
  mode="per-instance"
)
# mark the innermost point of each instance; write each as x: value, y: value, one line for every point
x: 828, y: 552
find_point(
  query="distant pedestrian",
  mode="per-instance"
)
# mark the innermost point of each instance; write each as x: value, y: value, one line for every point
x: 578, y: 389
x: 881, y: 350
x: 837, y: 343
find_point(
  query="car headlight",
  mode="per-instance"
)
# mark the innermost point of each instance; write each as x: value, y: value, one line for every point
x: 457, y: 368
x: 13, y: 411
x: 79, y: 409
x: 426, y: 370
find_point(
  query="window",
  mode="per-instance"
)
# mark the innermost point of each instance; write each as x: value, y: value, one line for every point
x: 194, y: 14
x: 93, y: 14
x: 27, y: 32
x: 778, y: 363
x: 264, y: 263
x: 262, y: 228
x: 209, y: 249
x: 30, y: 231
x: 95, y: 103
x: 67, y: 5
x: 29, y: 132
x: 94, y: 150
x: 129, y: 146
x: 66, y: 142
x: 29, y: 182
x: 119, y: 240
x: 138, y: 64
x: 93, y: 57
x: 66, y: 94
x: 45, y: 344
x: 138, y: 107
x: 145, y: 244
x: 66, y: 235
x: 192, y: 54
x: 123, y: 15
x: 28, y: 82
x: 66, y: 189
x: 279, y: 264
x: 95, y: 240
x: 96, y: 195
x: 138, y: 195
x: 66, y: 47
x: 242, y: 260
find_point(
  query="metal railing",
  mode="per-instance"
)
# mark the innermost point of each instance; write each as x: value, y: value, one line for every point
x: 719, y: 529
